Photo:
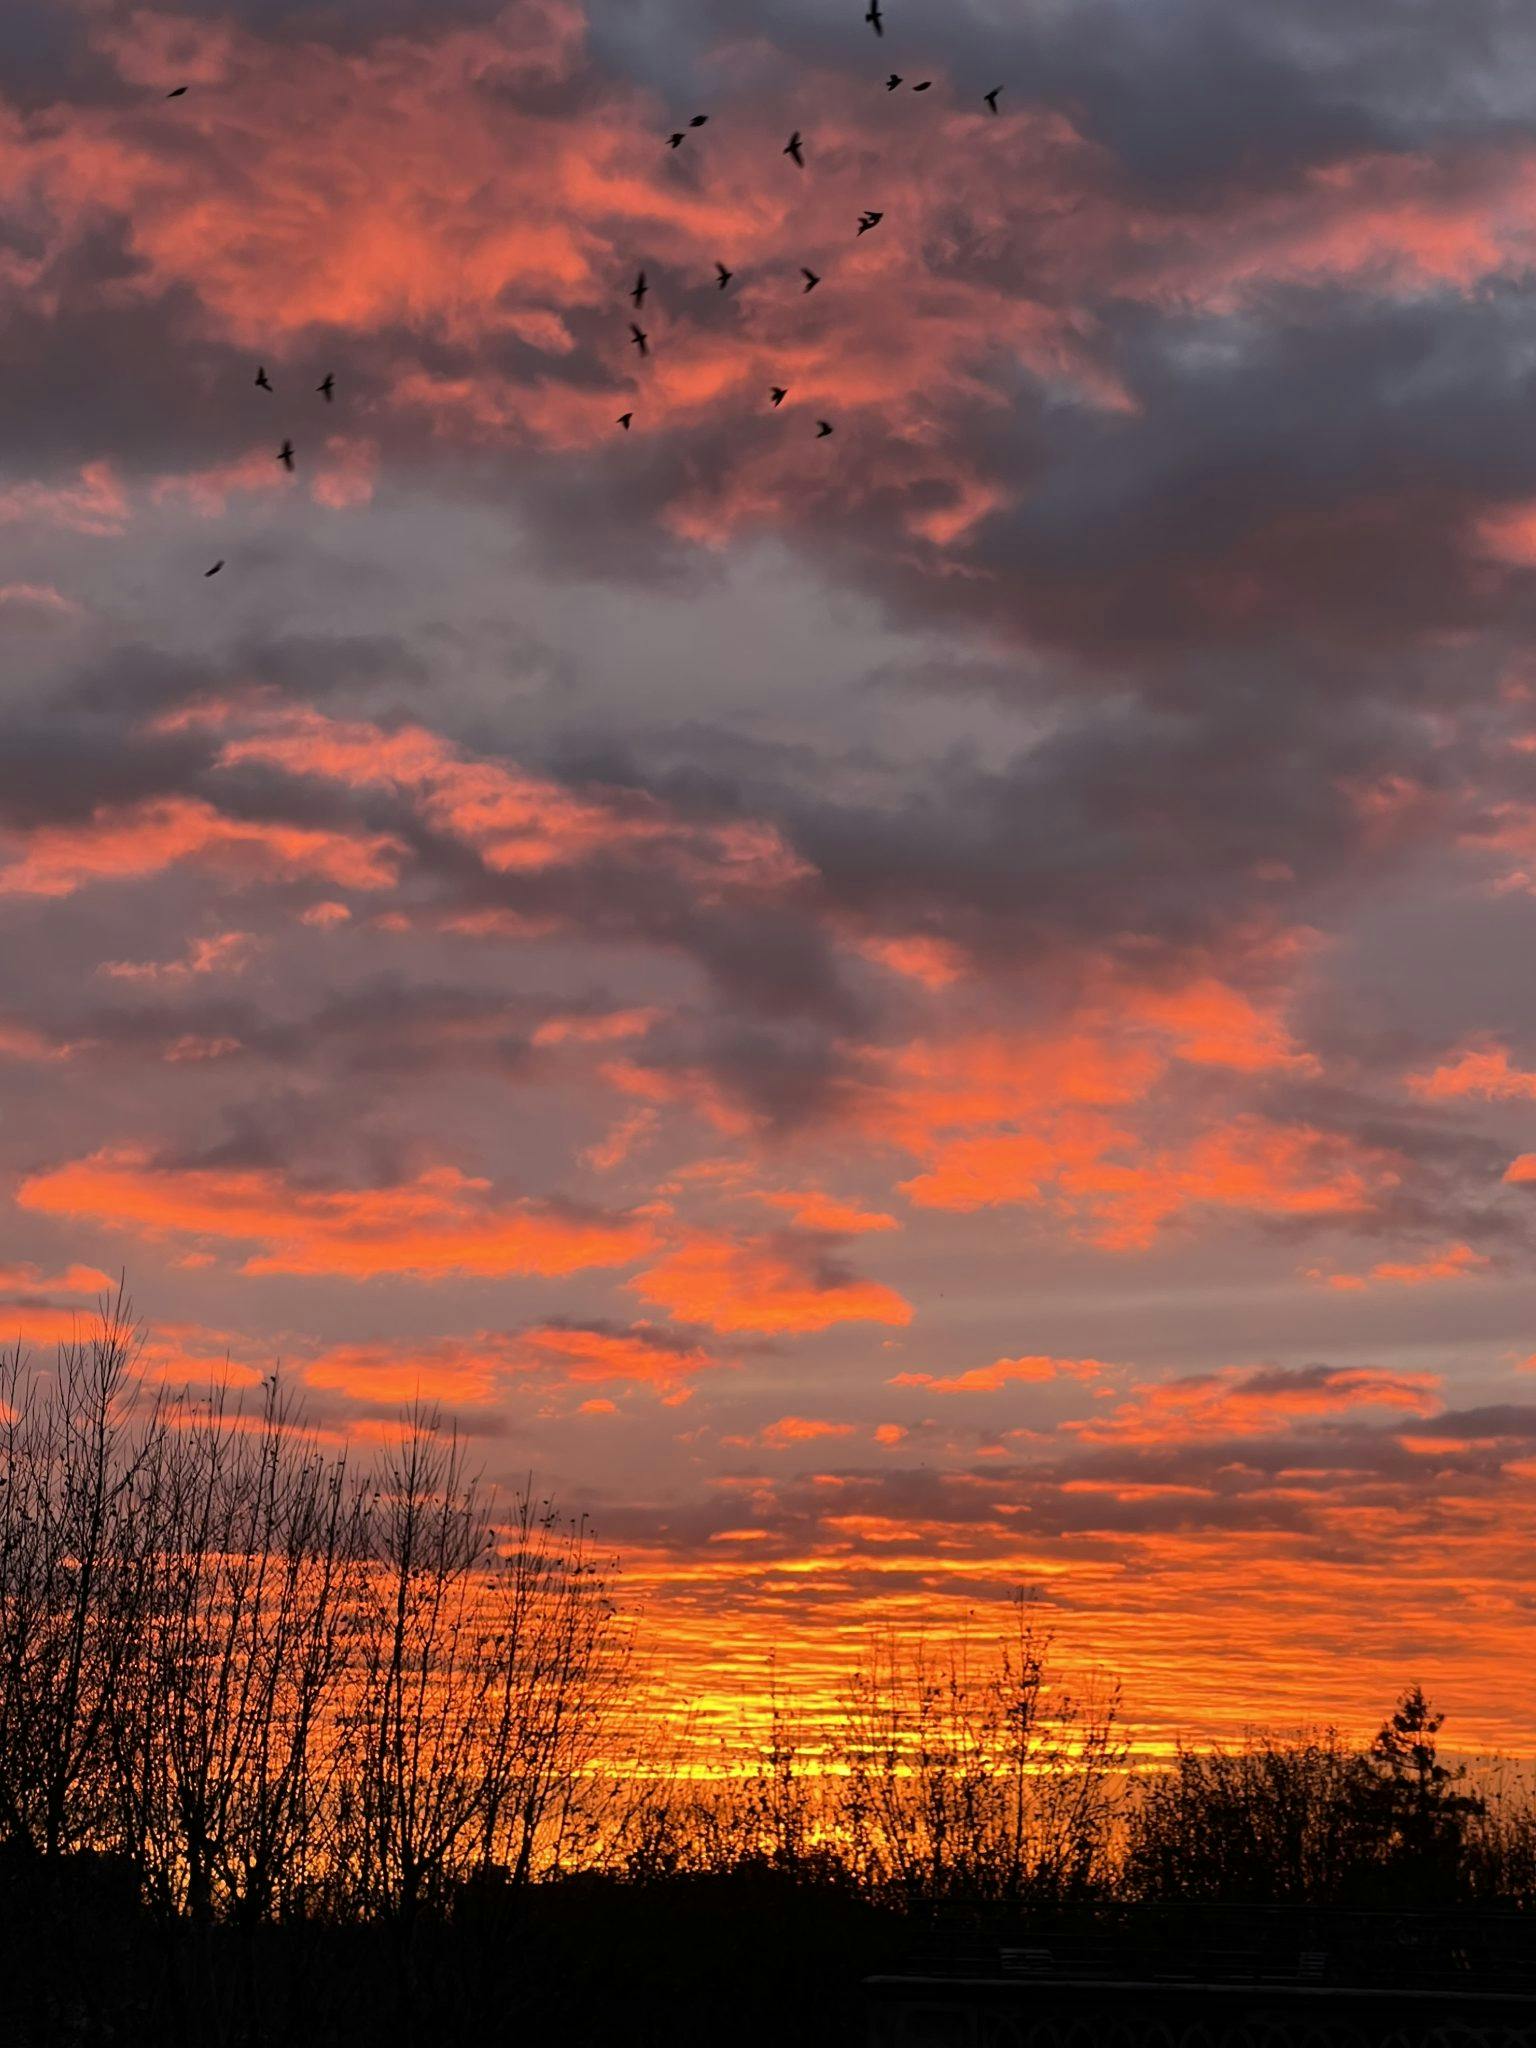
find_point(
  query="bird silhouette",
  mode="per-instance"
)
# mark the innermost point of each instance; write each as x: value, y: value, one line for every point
x: 823, y: 428
x: 924, y: 86
x: 285, y: 456
x: 875, y: 18
x: 327, y: 387
x: 263, y: 381
x: 811, y: 279
x: 638, y: 291
x: 868, y: 221
x: 624, y: 420
x: 792, y: 148
x: 893, y: 81
x: 991, y: 97
x: 777, y: 394
x: 675, y: 141
x: 723, y: 276
x: 698, y: 120
x: 176, y: 92
x: 218, y: 565
x: 640, y: 338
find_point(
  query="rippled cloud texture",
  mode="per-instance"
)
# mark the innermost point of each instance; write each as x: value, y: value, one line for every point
x: 897, y: 1014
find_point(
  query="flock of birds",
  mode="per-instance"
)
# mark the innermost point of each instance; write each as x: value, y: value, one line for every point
x: 326, y: 389
x: 640, y: 340
x: 794, y: 149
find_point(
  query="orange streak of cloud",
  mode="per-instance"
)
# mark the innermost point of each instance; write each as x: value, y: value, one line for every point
x: 442, y: 1224
x: 763, y: 1284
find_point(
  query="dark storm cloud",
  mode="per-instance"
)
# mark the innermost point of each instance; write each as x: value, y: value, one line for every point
x: 1302, y: 473
x: 1305, y: 1481
x: 1183, y: 94
x: 91, y: 737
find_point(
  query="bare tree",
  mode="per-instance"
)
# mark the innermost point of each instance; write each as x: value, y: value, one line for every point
x: 221, y: 1750
x: 486, y: 1672
x: 75, y: 1558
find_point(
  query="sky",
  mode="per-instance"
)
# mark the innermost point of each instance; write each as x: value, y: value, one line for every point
x: 896, y: 1014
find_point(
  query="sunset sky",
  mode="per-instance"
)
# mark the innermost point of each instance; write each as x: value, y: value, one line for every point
x: 894, y: 1015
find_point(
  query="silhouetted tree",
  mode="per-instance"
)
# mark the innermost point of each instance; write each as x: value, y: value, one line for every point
x: 76, y: 1545
x: 1416, y: 1801
x: 968, y: 1773
x: 1273, y: 1822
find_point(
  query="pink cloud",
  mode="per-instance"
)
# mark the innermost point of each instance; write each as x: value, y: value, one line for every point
x: 131, y: 841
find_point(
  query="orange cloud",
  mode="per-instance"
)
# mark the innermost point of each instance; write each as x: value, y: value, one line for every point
x: 933, y: 962
x: 478, y: 1369
x: 801, y: 1429
x: 456, y: 1371
x: 1235, y: 1402
x: 518, y: 823
x: 1481, y: 1069
x: 440, y: 1225
x: 1508, y: 534
x: 991, y: 1379
x: 641, y: 1354
x: 1452, y: 1262
x: 769, y: 1284
x: 1209, y: 1023
x: 28, y: 1316
x: 129, y: 842
x: 615, y: 1148
x: 73, y: 1280
x: 813, y: 1210
x: 602, y: 1028
x: 1520, y: 1172
x: 1120, y: 1193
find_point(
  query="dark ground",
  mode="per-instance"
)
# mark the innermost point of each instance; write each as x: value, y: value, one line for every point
x: 742, y: 1957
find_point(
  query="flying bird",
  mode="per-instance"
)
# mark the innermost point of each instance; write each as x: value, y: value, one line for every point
x: 624, y: 420
x: 639, y: 337
x: 698, y: 120
x: 868, y: 221
x: 176, y: 92
x: 218, y: 565
x: 263, y: 381
x: 327, y: 387
x: 875, y: 18
x: 723, y: 276
x: 893, y: 81
x: 792, y: 148
x: 638, y: 293
x: 924, y: 86
x: 811, y: 279
x: 285, y: 456
x: 823, y: 428
x: 675, y: 141
x: 777, y: 394
x: 991, y: 97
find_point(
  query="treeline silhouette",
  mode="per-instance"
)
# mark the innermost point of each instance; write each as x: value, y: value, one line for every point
x: 305, y: 1745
